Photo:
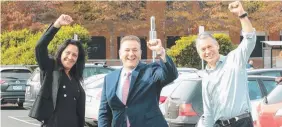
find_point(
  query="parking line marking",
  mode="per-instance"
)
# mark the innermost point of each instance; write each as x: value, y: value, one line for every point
x: 23, y: 121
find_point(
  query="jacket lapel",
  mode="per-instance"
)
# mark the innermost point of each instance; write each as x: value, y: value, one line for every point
x: 134, y: 76
x: 114, y: 80
x: 55, y: 86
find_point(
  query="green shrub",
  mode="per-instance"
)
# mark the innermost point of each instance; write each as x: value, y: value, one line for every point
x: 184, y: 52
x: 18, y: 47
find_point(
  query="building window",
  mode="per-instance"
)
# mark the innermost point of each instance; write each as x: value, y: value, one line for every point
x: 97, y: 47
x: 143, y: 47
x: 170, y: 41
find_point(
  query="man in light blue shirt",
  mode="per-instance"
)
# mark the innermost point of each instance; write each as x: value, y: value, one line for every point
x: 225, y: 90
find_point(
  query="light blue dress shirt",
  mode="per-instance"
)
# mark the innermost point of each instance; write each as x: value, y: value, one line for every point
x: 225, y: 89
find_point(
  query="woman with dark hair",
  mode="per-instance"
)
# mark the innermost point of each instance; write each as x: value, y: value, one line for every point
x: 61, y: 100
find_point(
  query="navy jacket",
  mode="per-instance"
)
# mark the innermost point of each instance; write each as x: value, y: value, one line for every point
x: 142, y: 106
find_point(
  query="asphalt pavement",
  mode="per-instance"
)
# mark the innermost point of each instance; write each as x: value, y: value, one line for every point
x: 13, y: 116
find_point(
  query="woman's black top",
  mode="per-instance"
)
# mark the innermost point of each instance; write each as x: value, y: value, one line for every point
x: 65, y: 114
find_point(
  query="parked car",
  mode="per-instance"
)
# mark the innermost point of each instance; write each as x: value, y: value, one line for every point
x: 33, y: 83
x: 182, y: 72
x: 277, y: 72
x: 270, y: 109
x: 93, y: 97
x: 32, y: 88
x: 13, y: 84
x: 167, y: 90
x: 184, y: 105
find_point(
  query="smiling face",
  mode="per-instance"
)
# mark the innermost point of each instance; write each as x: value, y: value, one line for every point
x: 69, y: 56
x: 208, y: 50
x: 130, y: 53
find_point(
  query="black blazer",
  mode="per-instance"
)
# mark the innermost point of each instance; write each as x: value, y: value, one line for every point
x: 45, y: 102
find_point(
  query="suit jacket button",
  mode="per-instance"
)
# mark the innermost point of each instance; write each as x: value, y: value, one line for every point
x: 65, y: 95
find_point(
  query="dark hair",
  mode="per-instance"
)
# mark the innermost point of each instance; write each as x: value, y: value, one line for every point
x: 78, y: 67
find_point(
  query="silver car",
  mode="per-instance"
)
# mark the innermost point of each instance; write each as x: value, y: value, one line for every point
x: 13, y: 83
x: 184, y: 105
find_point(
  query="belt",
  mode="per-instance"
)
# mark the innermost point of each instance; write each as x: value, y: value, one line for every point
x: 232, y: 120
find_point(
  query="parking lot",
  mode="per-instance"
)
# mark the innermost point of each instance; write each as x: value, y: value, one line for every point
x: 13, y: 116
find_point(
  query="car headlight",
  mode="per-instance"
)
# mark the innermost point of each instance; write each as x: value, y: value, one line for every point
x: 279, y: 112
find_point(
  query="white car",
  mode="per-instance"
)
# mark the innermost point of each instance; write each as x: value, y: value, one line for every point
x: 93, y: 90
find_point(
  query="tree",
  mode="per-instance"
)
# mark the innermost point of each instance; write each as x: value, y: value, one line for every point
x: 195, y: 14
x: 16, y: 15
x: 110, y: 13
x: 18, y: 47
x: 268, y: 16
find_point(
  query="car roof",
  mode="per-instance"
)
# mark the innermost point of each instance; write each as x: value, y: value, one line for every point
x: 7, y: 67
x: 253, y: 71
x: 261, y: 76
x: 184, y: 68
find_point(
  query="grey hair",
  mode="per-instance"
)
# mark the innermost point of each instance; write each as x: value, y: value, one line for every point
x: 130, y: 37
x: 203, y: 36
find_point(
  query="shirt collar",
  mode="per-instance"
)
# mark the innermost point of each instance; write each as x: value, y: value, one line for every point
x: 123, y: 72
x: 220, y: 60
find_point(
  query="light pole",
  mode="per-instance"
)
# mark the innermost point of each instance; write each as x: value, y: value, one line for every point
x: 153, y: 34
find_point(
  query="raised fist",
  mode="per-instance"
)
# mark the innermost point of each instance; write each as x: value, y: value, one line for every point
x: 236, y: 7
x: 155, y: 45
x: 63, y: 20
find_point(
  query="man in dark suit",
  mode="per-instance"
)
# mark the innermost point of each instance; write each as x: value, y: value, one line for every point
x: 130, y: 96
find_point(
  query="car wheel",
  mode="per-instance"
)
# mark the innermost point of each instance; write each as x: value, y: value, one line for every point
x: 20, y: 104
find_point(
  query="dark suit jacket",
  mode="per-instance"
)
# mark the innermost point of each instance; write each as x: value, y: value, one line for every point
x: 45, y: 102
x: 142, y: 106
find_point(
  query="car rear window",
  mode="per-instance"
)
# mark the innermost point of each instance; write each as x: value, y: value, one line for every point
x: 15, y: 74
x: 254, y: 90
x: 190, y: 92
x: 185, y: 89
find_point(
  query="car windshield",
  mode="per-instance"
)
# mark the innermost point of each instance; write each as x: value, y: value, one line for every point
x: 15, y: 74
x: 89, y: 71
